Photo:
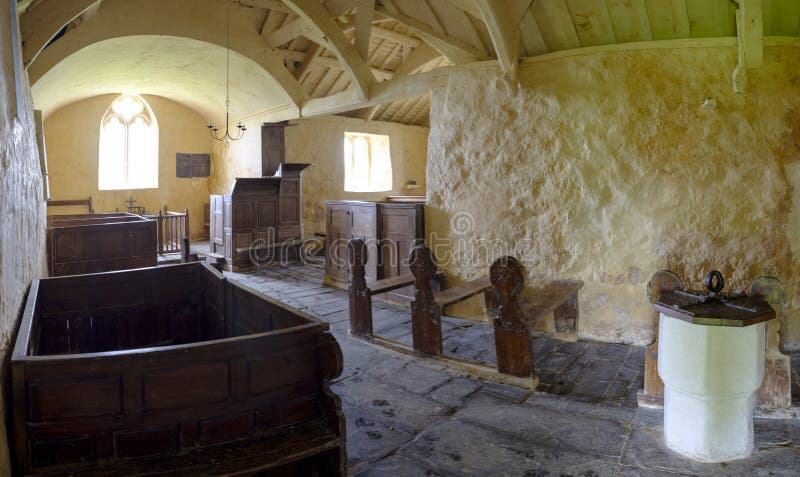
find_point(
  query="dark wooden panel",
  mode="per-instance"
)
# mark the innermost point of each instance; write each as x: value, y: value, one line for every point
x: 266, y: 213
x: 226, y: 428
x: 272, y: 148
x: 243, y: 215
x: 62, y: 451
x: 189, y: 386
x: 138, y: 443
x: 60, y: 401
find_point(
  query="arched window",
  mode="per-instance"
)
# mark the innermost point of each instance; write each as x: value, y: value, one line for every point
x: 128, y: 146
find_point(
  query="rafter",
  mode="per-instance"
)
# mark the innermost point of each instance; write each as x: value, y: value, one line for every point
x: 41, y: 23
x: 385, y: 92
x: 364, y: 12
x: 386, y: 34
x: 325, y: 25
x: 502, y: 18
x: 468, y: 6
x: 453, y: 49
x: 333, y: 63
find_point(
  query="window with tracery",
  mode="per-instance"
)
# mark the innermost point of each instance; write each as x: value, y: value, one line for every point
x: 367, y: 163
x: 128, y: 146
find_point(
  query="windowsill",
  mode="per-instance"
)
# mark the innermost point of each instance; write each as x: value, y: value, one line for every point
x: 126, y: 188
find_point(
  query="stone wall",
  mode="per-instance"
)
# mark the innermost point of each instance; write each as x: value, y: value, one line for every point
x: 604, y: 168
x: 319, y: 142
x: 72, y: 137
x: 22, y: 210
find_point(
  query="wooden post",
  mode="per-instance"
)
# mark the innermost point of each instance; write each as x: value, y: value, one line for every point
x: 653, y: 393
x: 426, y: 315
x: 776, y: 388
x: 160, y: 234
x: 512, y: 335
x: 186, y: 232
x: 360, y: 296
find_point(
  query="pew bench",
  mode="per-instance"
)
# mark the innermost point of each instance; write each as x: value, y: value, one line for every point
x: 513, y: 316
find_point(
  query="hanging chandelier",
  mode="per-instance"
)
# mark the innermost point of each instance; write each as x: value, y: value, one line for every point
x: 213, y: 129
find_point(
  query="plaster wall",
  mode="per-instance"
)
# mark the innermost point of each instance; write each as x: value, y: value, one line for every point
x: 72, y: 137
x: 320, y: 142
x: 604, y: 168
x: 22, y: 210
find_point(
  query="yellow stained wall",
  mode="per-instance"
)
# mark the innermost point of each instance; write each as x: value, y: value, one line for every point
x: 72, y: 137
x: 604, y: 168
x: 22, y: 210
x: 320, y: 142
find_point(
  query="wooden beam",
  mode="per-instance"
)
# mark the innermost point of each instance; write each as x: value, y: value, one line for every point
x: 40, y: 24
x: 504, y: 31
x: 750, y: 36
x: 453, y: 49
x: 312, y: 55
x: 364, y: 12
x: 385, y: 92
x: 417, y: 60
x: 325, y: 25
x: 288, y: 32
x: 386, y: 34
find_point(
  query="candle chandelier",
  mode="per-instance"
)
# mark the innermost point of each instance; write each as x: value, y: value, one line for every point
x: 213, y: 129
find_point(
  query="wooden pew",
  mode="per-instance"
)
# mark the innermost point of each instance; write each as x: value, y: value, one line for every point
x: 76, y: 202
x: 513, y: 316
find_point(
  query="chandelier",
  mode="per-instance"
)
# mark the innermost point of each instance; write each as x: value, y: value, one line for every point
x: 213, y: 129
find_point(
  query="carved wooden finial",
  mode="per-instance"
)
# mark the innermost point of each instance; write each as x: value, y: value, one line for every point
x: 662, y: 281
x: 507, y: 276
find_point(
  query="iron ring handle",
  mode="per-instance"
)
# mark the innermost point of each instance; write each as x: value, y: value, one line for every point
x: 714, y: 281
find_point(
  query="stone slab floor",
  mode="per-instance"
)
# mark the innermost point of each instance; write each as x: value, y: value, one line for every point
x: 408, y: 418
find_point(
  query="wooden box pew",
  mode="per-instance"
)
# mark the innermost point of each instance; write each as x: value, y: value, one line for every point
x: 73, y: 203
x: 172, y: 371
x: 91, y: 243
x: 513, y: 317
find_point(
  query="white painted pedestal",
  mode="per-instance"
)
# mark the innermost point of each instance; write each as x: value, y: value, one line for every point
x: 710, y: 376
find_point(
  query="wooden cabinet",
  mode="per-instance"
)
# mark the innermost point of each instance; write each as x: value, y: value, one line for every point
x: 389, y: 230
x: 260, y: 220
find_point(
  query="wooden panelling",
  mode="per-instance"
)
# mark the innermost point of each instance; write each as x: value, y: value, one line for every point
x: 229, y: 365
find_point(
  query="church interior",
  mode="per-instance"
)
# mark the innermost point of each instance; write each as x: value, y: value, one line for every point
x: 535, y: 238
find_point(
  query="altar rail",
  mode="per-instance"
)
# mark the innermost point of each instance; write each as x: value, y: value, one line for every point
x: 172, y: 228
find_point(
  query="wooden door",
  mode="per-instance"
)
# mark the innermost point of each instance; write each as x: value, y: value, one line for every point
x: 272, y: 148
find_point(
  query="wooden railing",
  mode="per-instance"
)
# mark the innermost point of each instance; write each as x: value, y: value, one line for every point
x: 172, y: 228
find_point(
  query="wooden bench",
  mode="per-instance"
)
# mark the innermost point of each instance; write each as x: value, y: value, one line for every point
x: 513, y: 316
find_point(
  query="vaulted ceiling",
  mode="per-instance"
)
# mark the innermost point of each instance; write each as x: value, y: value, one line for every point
x: 374, y: 59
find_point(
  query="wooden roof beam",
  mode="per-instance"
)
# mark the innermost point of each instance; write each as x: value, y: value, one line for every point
x: 40, y: 24
x: 326, y: 26
x: 502, y: 18
x: 453, y: 49
x: 363, y: 21
x: 276, y: 5
x: 750, y: 36
x: 333, y: 63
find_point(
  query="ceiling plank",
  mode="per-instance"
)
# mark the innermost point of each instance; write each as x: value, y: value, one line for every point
x: 453, y: 49
x: 785, y: 18
x: 276, y: 5
x: 556, y: 25
x: 312, y: 55
x: 630, y: 21
x: 766, y: 8
x: 504, y: 32
x: 40, y: 24
x: 363, y: 22
x: 701, y: 18
x: 468, y: 6
x: 333, y: 63
x: 592, y: 22
x: 681, y: 14
x: 325, y: 25
x: 386, y: 34
x: 532, y: 41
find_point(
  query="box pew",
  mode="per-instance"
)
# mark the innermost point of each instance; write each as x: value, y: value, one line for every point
x: 90, y: 243
x: 172, y: 370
